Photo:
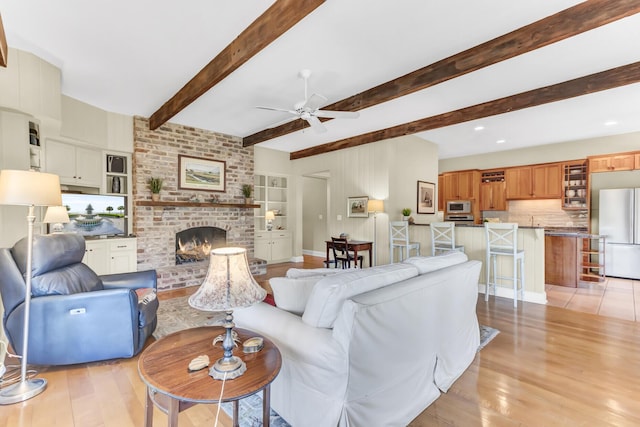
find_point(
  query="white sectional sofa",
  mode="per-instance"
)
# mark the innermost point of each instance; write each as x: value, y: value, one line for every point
x: 373, y: 347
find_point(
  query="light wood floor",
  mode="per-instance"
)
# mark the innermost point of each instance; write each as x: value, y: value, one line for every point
x: 549, y: 366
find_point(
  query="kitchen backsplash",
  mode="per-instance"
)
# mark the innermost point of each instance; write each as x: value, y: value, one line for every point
x: 543, y: 213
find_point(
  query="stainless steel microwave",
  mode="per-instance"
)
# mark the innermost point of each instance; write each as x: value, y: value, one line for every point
x: 459, y: 206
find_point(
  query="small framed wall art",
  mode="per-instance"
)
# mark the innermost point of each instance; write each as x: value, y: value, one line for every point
x: 357, y: 207
x: 426, y: 195
x: 201, y: 174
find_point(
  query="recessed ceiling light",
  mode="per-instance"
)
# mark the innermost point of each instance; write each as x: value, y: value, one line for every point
x: 478, y: 128
x: 501, y: 141
x: 610, y: 123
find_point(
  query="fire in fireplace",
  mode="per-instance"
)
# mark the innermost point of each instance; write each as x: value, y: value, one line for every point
x: 195, y: 244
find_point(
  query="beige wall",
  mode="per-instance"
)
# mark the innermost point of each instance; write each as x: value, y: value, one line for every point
x: 545, y: 153
x: 387, y: 170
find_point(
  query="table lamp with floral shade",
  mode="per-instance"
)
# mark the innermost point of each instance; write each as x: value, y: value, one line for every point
x: 228, y: 285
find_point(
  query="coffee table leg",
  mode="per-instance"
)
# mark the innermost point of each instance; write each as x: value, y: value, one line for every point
x: 148, y: 410
x: 236, y: 417
x: 266, y: 405
x: 173, y: 410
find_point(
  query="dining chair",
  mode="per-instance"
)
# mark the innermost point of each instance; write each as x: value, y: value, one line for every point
x: 341, y: 253
x: 399, y: 238
x: 443, y: 237
x: 502, y: 240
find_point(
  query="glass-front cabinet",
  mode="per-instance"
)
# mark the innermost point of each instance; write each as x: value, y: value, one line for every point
x: 271, y: 192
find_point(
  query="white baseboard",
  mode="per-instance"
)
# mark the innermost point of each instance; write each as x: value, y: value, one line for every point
x: 504, y: 292
x: 297, y: 259
x: 314, y: 253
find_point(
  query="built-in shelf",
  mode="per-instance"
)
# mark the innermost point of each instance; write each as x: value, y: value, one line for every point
x: 195, y: 204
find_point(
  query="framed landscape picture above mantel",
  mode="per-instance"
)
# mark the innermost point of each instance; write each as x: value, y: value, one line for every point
x: 357, y: 207
x: 195, y: 173
x: 426, y: 194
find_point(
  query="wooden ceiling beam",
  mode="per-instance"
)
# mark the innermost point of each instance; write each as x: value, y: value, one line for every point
x: 274, y: 22
x: 4, y: 50
x: 560, y: 26
x: 605, y: 80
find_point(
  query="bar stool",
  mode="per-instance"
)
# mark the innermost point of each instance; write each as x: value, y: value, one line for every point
x: 443, y: 237
x: 502, y: 240
x: 399, y: 238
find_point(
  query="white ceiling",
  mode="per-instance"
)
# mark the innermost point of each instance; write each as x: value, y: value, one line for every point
x: 132, y: 56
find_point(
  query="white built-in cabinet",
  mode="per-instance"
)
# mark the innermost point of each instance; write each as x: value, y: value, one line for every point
x: 74, y: 164
x: 273, y: 246
x: 112, y: 255
x: 271, y: 192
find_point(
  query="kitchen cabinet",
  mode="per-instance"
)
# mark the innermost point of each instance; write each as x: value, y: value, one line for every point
x: 111, y: 256
x: 561, y: 260
x: 493, y: 191
x: 534, y: 182
x: 575, y: 185
x: 440, y: 190
x: 460, y: 185
x: 612, y: 162
x: 273, y: 246
x: 637, y: 161
x: 74, y: 164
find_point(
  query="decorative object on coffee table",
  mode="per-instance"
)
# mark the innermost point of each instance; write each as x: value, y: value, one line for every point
x: 228, y: 285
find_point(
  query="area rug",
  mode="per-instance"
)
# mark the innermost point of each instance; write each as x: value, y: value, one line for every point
x: 487, y: 333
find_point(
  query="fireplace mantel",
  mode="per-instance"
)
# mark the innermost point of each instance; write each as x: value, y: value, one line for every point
x: 195, y: 204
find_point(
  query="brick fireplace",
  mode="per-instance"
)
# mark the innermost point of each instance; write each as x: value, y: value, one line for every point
x: 156, y: 155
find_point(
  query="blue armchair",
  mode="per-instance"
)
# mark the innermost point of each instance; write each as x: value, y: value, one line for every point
x: 76, y: 316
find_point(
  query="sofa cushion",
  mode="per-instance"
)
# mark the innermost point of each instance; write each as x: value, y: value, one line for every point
x: 328, y: 295
x: 432, y: 263
x: 67, y: 280
x: 297, y: 273
x: 292, y: 294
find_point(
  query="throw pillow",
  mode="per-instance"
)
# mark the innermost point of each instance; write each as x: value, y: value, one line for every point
x: 292, y: 294
x: 426, y: 264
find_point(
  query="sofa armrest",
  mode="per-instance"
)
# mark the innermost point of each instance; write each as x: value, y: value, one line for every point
x: 292, y: 336
x: 133, y: 280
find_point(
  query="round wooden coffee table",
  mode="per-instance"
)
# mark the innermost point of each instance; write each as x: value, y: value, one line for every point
x: 163, y: 367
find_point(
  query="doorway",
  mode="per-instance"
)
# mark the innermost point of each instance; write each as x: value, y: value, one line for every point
x: 315, y: 208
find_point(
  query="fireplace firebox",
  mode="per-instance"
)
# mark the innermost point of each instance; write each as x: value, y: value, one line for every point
x: 195, y: 244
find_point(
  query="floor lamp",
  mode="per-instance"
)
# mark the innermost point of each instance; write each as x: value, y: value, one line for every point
x: 375, y: 206
x: 27, y: 188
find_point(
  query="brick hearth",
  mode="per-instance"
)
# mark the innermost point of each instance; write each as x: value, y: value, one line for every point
x: 156, y: 154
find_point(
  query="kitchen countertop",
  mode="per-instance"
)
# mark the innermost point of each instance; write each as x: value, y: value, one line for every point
x: 550, y: 231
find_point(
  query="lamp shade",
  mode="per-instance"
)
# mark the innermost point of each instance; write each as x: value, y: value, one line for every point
x: 269, y: 215
x: 375, y: 205
x: 228, y: 283
x: 56, y: 214
x: 29, y: 188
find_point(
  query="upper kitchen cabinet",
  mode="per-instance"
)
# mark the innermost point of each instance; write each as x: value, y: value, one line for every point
x: 534, y: 182
x: 74, y: 164
x: 612, y: 162
x: 31, y: 85
x: 637, y: 161
x: 460, y: 185
x: 492, y: 191
x: 575, y: 185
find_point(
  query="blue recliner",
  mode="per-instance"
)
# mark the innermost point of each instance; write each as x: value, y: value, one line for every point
x: 76, y: 316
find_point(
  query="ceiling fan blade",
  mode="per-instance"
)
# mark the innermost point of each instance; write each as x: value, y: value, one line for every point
x: 314, y: 102
x: 337, y: 114
x: 316, y: 124
x: 277, y: 109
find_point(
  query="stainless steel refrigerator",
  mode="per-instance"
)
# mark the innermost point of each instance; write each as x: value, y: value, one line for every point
x: 619, y: 221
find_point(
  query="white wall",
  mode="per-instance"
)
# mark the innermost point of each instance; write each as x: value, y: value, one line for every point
x: 387, y: 170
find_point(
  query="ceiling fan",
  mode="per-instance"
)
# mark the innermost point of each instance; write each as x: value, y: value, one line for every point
x: 309, y: 109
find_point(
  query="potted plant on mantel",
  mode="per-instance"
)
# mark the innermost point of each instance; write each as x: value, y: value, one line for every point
x: 155, y: 185
x: 405, y: 214
x: 246, y: 192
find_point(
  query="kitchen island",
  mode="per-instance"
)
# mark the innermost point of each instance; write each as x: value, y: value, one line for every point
x: 472, y: 237
x: 572, y: 258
